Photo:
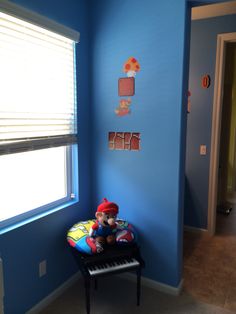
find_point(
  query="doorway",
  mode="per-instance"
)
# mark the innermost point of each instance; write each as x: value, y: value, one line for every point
x: 222, y: 175
x: 209, y: 262
x: 226, y: 197
x: 209, y: 35
x: 227, y: 171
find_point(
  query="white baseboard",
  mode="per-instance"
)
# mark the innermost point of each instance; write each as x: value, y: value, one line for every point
x: 161, y: 287
x: 194, y: 229
x: 55, y: 294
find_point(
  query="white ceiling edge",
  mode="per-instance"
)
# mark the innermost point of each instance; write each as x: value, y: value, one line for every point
x: 213, y: 10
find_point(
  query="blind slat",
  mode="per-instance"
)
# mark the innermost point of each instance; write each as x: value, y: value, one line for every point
x: 68, y: 114
x: 11, y: 36
x: 27, y: 17
x: 26, y: 144
x: 27, y: 29
x: 37, y: 104
x: 28, y: 123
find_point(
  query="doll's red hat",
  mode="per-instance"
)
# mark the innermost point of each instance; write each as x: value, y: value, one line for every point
x: 107, y: 207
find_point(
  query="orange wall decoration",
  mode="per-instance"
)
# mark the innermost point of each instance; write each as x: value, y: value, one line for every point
x: 124, y: 140
x: 206, y: 81
x: 126, y: 86
x: 131, y: 67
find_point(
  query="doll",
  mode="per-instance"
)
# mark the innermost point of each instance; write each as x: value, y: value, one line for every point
x: 104, y: 229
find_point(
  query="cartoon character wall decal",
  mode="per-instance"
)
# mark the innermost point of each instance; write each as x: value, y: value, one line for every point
x: 123, y: 108
x: 131, y: 67
x: 126, y: 86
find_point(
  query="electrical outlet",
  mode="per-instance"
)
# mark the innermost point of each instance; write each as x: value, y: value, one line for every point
x: 42, y: 268
x: 203, y: 149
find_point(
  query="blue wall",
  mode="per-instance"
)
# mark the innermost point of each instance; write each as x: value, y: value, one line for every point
x: 202, y: 61
x: 23, y: 248
x: 146, y: 184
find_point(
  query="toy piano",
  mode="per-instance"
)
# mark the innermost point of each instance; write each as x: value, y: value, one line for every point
x: 114, y: 259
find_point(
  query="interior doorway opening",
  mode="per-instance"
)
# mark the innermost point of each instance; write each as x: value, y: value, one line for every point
x: 222, y: 175
x: 227, y: 154
x: 207, y: 60
x: 209, y: 261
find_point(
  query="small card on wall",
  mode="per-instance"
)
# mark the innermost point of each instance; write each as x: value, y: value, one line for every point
x: 126, y: 86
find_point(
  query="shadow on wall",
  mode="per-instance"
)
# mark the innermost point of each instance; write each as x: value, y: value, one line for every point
x: 192, y: 203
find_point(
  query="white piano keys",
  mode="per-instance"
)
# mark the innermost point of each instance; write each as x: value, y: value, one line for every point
x: 112, y: 266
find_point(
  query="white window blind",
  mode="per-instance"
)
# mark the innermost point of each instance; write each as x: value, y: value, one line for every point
x: 37, y: 87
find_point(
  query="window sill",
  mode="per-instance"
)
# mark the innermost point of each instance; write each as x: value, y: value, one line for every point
x: 36, y: 217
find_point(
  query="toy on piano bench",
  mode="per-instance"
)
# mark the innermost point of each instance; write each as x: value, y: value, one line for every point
x: 91, y: 236
x: 105, y: 228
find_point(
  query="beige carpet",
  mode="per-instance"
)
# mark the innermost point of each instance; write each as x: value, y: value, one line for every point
x: 118, y: 296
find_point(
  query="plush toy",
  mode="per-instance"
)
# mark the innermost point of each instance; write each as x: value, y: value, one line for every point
x: 105, y: 227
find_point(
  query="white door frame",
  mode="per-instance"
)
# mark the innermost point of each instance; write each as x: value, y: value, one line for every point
x: 222, y: 39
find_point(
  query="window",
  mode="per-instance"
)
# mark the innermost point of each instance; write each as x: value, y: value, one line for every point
x: 38, y: 118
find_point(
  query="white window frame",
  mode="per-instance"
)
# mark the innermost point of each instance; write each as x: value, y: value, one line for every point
x: 71, y: 150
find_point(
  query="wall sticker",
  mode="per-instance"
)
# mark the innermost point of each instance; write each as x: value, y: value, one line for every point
x: 131, y: 67
x: 206, y: 81
x: 124, y: 141
x: 123, y: 108
x: 126, y: 86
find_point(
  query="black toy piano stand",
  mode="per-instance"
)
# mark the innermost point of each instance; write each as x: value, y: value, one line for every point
x: 113, y: 256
